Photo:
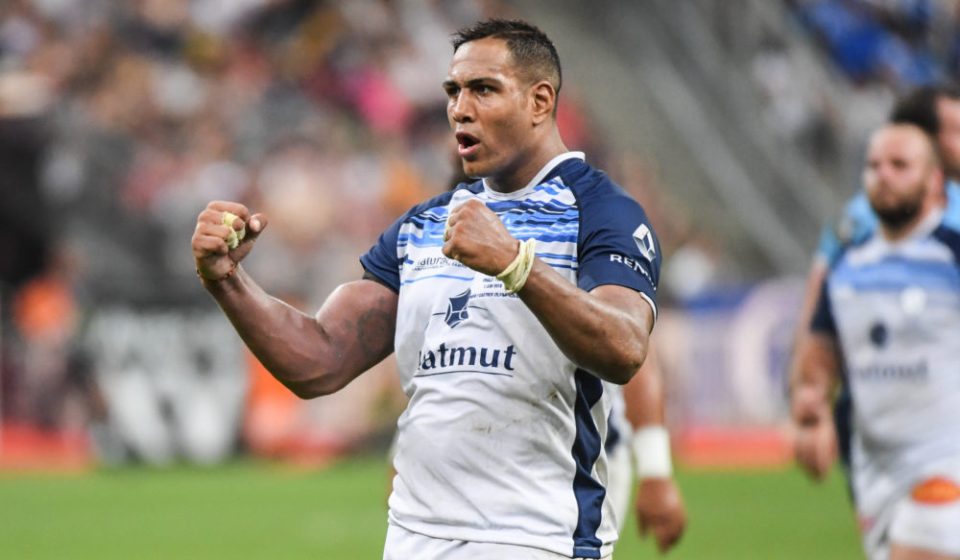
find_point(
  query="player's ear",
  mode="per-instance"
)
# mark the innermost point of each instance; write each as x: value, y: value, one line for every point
x: 544, y: 99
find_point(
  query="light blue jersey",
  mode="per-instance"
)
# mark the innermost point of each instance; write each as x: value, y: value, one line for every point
x: 502, y: 439
x: 859, y: 221
x: 894, y: 308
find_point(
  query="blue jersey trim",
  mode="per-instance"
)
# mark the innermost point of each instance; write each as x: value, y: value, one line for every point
x: 588, y: 492
x: 949, y: 237
x: 607, y: 252
x: 822, y: 320
x: 613, y: 435
x: 449, y: 276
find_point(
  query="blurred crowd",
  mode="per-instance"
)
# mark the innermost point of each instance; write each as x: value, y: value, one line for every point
x: 903, y: 43
x: 877, y: 48
x: 119, y: 121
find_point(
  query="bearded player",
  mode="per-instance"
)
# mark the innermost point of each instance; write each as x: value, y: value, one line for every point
x: 887, y: 327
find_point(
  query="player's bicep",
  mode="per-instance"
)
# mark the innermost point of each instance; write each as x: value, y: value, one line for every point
x: 359, y: 320
x: 634, y: 304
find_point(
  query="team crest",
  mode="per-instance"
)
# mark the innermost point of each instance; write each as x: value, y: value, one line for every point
x: 457, y: 309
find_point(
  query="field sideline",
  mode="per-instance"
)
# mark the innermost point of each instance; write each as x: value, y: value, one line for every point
x: 255, y: 511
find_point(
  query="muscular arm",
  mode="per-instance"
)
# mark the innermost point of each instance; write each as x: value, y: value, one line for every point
x: 644, y: 396
x: 604, y: 331
x: 658, y: 504
x: 312, y: 356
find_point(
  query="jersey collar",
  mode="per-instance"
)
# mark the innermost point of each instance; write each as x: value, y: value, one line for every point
x: 537, y: 179
x: 922, y: 229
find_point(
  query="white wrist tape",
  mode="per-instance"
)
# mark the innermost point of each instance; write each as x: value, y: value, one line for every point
x: 516, y: 273
x: 651, y: 452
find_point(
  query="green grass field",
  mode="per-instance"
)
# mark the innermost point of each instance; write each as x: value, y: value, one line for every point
x: 256, y: 511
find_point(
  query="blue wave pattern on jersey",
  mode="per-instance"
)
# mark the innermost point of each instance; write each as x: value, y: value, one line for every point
x: 896, y: 273
x: 549, y: 215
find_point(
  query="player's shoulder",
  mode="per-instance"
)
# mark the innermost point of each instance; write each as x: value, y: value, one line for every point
x: 858, y: 221
x: 951, y: 213
x: 947, y: 233
x: 855, y: 226
x: 589, y: 183
x: 597, y: 195
x: 857, y: 252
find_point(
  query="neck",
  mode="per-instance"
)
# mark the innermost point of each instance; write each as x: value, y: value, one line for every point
x: 511, y: 180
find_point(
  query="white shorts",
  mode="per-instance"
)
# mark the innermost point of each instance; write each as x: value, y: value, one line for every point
x: 924, y: 514
x: 407, y: 545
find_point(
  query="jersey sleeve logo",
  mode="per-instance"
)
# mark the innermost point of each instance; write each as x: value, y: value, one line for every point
x: 643, y: 237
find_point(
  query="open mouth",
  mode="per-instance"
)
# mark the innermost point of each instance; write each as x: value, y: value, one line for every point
x: 467, y: 143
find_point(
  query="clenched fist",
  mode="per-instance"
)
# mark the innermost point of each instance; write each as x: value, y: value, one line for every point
x: 476, y: 237
x: 215, y: 260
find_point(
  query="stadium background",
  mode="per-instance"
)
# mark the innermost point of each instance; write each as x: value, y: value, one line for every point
x: 131, y: 420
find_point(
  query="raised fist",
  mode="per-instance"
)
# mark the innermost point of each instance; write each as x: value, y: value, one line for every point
x: 215, y: 260
x: 476, y: 237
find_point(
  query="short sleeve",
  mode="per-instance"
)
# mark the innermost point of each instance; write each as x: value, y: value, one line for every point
x: 822, y: 321
x: 617, y: 244
x: 382, y: 260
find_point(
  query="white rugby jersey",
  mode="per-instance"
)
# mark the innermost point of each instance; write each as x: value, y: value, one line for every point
x: 502, y: 440
x: 895, y: 310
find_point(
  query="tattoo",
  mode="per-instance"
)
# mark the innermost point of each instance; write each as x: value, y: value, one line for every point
x: 375, y: 328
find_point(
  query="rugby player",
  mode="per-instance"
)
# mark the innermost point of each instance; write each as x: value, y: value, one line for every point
x: 508, y: 302
x: 887, y: 326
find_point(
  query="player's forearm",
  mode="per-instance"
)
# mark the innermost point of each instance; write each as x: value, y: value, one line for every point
x: 309, y: 357
x: 644, y: 394
x: 813, y: 379
x: 816, y: 365
x: 597, y: 335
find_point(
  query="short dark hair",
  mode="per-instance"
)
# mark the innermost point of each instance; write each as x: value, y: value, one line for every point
x: 919, y: 107
x: 532, y: 51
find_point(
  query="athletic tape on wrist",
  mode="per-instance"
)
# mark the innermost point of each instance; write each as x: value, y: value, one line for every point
x: 651, y: 452
x: 516, y: 273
